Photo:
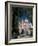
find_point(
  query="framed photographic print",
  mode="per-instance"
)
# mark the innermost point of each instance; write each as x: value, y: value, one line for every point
x: 20, y: 22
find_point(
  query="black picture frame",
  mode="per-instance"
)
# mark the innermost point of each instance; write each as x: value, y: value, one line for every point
x: 6, y: 22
